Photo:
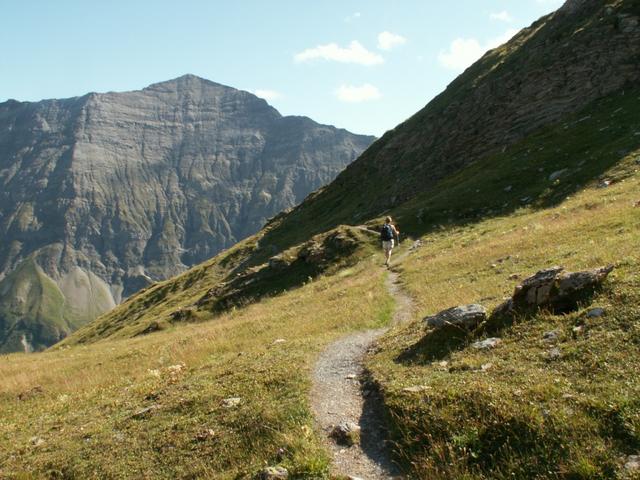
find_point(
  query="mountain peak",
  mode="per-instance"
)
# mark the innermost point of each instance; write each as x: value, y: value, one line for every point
x: 186, y: 82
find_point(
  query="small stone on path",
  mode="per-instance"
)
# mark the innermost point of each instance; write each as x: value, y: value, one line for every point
x: 346, y: 433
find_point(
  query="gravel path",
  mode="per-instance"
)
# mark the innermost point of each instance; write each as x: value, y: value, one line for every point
x: 337, y: 396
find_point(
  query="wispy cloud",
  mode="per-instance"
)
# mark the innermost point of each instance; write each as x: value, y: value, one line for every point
x: 357, y: 94
x: 266, y: 94
x: 463, y: 52
x: 354, y: 53
x: 502, y: 16
x: 388, y: 40
x: 352, y: 17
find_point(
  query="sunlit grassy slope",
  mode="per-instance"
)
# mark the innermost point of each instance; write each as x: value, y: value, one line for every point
x: 79, y: 411
x: 525, y: 415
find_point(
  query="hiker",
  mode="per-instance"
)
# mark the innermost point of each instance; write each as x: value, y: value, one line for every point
x: 387, y: 234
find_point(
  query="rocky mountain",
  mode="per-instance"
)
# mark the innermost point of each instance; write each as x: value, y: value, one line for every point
x: 104, y: 193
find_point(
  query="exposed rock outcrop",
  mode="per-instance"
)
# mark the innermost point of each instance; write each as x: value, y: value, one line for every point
x: 465, y: 316
x: 553, y: 289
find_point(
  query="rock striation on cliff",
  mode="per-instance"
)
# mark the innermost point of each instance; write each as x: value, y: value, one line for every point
x: 104, y: 193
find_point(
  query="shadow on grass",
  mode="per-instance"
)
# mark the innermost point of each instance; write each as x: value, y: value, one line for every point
x: 436, y: 345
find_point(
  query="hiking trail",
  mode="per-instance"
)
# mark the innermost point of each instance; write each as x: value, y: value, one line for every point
x: 337, y: 396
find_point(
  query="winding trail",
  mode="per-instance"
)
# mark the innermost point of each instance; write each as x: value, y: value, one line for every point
x: 337, y: 396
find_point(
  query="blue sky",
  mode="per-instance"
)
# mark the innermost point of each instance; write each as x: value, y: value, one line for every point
x: 364, y: 65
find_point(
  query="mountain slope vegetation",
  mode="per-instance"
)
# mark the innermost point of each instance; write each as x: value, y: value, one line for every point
x: 207, y: 374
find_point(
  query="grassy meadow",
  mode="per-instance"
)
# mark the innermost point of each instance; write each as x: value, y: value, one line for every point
x: 517, y: 411
x: 154, y: 406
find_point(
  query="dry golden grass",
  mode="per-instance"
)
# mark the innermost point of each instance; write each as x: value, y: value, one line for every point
x: 71, y: 413
x: 524, y: 415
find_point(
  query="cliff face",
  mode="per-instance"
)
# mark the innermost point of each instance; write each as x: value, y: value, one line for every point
x: 103, y: 193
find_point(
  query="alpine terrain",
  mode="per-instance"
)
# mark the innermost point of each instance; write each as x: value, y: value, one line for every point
x: 105, y: 193
x: 502, y: 343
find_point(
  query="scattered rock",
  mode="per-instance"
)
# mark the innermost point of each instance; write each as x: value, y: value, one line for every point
x: 596, y: 312
x: 514, y: 276
x: 273, y: 473
x: 183, y: 315
x: 351, y: 376
x: 231, y: 402
x: 604, y: 183
x: 278, y: 262
x: 466, y: 316
x: 351, y: 477
x: 557, y: 174
x: 579, y: 330
x: 551, y: 336
x: 486, y: 366
x: 36, y: 441
x: 176, y: 369
x: 144, y: 411
x: 632, y: 463
x: 346, y: 433
x: 417, y: 244
x: 206, y: 434
x: 508, y: 188
x: 554, y: 354
x: 278, y: 341
x: 627, y: 23
x: 487, y: 344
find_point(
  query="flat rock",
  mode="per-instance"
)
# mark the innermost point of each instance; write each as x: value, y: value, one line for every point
x: 557, y: 174
x: 632, y: 462
x: 231, y: 402
x: 416, y: 389
x: 554, y: 354
x: 596, y: 312
x: 466, y: 316
x: 273, y: 473
x: 487, y: 344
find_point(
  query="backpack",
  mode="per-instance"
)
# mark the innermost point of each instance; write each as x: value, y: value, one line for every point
x: 387, y: 232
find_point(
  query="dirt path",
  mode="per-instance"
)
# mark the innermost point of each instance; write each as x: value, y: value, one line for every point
x: 337, y: 396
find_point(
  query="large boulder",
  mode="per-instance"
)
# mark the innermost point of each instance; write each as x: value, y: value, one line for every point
x: 465, y: 316
x: 554, y: 289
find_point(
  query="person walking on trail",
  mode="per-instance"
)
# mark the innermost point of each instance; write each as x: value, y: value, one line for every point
x: 388, y: 233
